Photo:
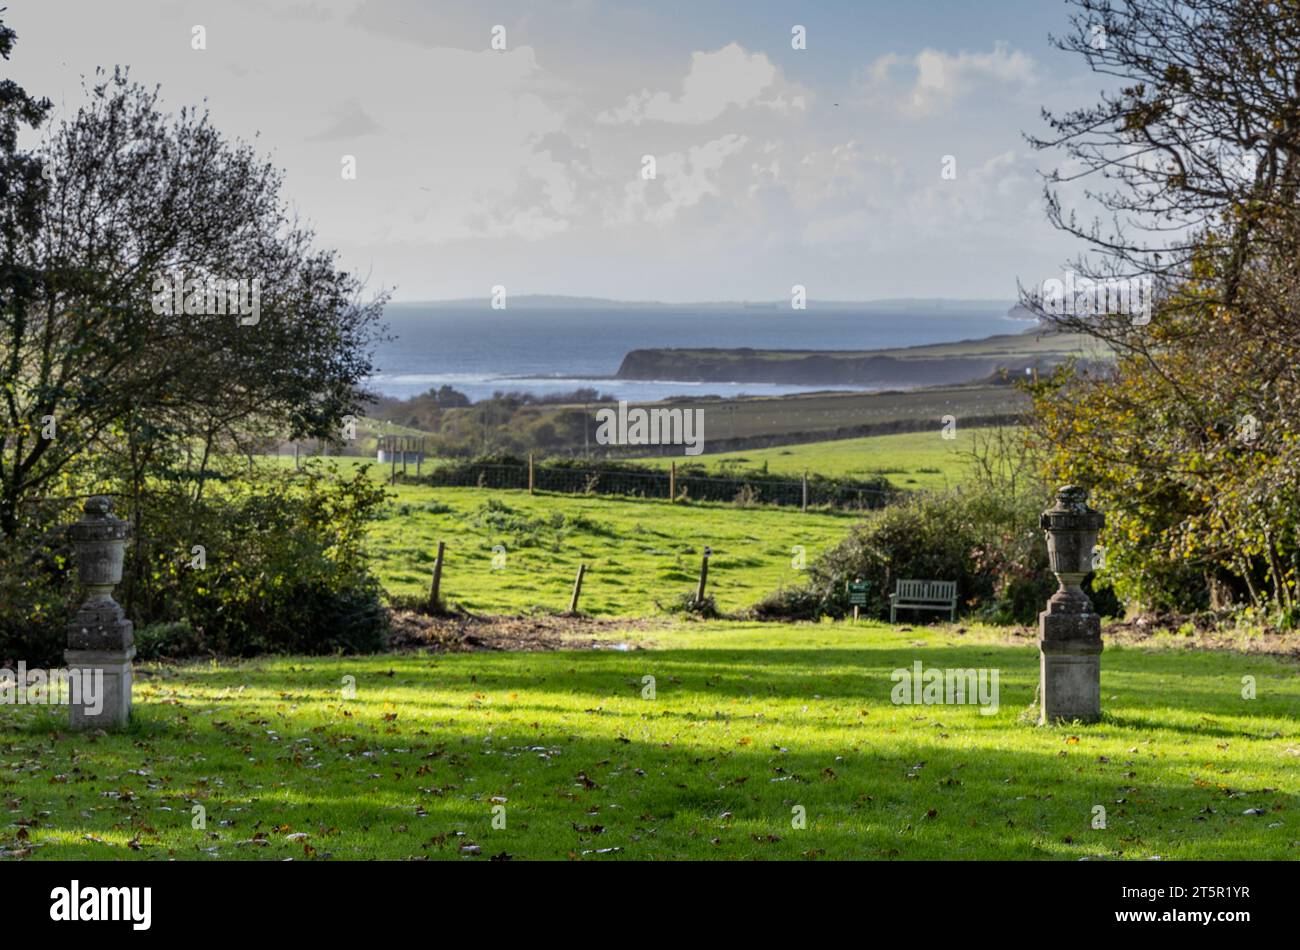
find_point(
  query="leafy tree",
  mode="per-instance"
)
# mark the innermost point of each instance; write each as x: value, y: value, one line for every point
x: 22, y: 195
x: 132, y: 202
x: 1191, y: 439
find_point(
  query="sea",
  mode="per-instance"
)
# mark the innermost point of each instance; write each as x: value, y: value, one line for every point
x: 556, y: 349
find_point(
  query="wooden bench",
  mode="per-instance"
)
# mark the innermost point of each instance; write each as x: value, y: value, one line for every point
x: 923, y: 595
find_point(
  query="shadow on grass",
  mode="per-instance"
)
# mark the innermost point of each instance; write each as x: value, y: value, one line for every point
x: 662, y: 781
x: 654, y: 800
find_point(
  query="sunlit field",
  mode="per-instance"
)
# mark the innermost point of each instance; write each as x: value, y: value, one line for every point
x: 511, y: 552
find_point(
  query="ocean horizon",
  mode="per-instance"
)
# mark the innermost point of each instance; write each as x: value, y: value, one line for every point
x: 544, y: 350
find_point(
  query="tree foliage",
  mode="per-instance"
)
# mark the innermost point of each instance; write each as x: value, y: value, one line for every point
x: 1191, y: 441
x: 102, y: 375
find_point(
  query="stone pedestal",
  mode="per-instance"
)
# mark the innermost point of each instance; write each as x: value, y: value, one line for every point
x: 101, y: 641
x: 112, y: 672
x: 1069, y: 630
x: 1069, y: 666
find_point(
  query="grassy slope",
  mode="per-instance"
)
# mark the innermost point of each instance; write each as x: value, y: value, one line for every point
x: 637, y: 551
x: 917, y: 460
x: 780, y: 417
x: 747, y: 723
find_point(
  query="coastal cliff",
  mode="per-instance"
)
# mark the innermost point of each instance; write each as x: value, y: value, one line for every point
x: 939, y: 364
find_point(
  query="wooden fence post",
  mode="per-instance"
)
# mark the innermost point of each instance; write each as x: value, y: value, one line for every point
x: 392, y: 477
x: 297, y: 466
x: 577, y: 588
x: 704, y: 576
x: 435, y: 604
x: 530, y: 479
x: 804, y: 505
x: 672, y: 482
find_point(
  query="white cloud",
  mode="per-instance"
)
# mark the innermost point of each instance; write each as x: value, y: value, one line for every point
x: 716, y: 81
x: 683, y: 180
x: 931, y: 81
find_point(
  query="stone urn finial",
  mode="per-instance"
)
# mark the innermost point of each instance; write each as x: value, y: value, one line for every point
x: 100, y: 542
x: 1072, y: 528
x: 1069, y: 629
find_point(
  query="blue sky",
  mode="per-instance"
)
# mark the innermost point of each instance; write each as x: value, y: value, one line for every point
x: 526, y: 166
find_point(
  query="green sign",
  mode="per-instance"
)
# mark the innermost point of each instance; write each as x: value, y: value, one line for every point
x: 858, y: 593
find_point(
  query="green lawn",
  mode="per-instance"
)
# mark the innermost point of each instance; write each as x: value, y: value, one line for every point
x: 748, y: 724
x: 637, y: 551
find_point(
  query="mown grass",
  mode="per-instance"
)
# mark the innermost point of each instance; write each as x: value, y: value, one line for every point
x: 748, y: 723
x: 511, y: 552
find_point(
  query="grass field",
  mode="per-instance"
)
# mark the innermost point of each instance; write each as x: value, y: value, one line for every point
x: 638, y: 551
x: 915, y: 460
x: 747, y: 726
x: 803, y: 416
x: 510, y: 552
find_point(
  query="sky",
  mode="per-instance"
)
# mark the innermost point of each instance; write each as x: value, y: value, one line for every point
x: 674, y: 151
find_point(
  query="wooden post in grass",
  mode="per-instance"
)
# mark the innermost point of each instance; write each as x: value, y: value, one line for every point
x: 406, y: 450
x: 392, y: 452
x: 435, y: 604
x: 704, y: 575
x: 530, y: 475
x: 297, y: 466
x: 804, y: 505
x: 672, y: 482
x: 577, y: 588
x: 419, y: 458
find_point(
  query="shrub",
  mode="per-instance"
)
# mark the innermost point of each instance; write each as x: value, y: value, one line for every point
x: 790, y: 603
x: 987, y: 541
x: 38, y: 589
x: 285, y: 567
x: 686, y: 604
x: 168, y: 640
